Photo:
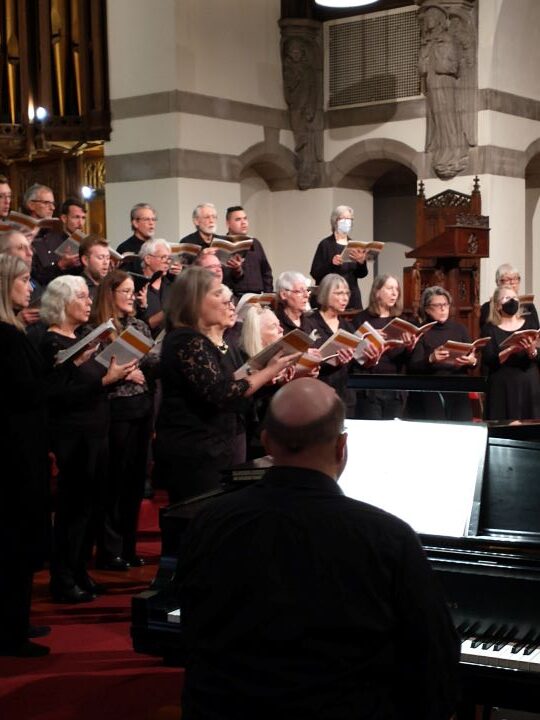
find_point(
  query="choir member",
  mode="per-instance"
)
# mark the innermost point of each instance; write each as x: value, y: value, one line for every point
x: 196, y: 422
x: 79, y: 421
x: 508, y: 275
x: 131, y: 405
x: 155, y: 256
x: 24, y: 507
x: 260, y: 328
x: 385, y: 303
x: 328, y: 258
x: 332, y: 297
x: 293, y: 300
x: 429, y: 357
x: 513, y: 391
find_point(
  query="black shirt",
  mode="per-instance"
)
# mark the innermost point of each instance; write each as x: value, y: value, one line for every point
x: 298, y: 602
x: 132, y: 244
x: 350, y: 271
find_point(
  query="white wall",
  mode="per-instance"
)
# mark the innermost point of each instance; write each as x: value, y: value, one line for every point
x: 509, y: 47
x: 230, y: 49
x: 142, y: 46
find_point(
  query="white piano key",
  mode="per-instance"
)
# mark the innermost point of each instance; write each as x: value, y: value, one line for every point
x: 503, y: 658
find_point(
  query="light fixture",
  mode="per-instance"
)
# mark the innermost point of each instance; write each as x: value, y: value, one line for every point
x: 344, y: 3
x: 87, y: 192
x: 41, y: 113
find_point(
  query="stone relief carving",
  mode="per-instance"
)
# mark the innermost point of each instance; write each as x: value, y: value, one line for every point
x: 447, y: 66
x: 301, y: 58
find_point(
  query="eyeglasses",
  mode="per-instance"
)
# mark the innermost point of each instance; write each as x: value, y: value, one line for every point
x: 127, y: 293
x: 305, y: 291
x: 50, y: 203
x: 5, y: 196
x: 340, y: 293
x: 150, y: 219
x: 163, y: 258
x: 439, y: 306
x: 510, y: 279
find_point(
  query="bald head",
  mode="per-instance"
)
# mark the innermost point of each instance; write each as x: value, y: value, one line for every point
x: 304, y: 427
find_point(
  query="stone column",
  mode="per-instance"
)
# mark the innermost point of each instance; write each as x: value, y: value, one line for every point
x: 302, y: 67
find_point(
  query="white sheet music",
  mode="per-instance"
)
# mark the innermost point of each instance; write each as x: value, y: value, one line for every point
x: 425, y: 473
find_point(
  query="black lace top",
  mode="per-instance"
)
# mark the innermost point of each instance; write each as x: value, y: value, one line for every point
x: 200, y: 397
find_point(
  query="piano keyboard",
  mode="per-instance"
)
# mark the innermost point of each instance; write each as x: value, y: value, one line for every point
x: 500, y: 647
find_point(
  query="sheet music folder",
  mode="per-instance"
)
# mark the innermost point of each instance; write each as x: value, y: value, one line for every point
x: 428, y: 474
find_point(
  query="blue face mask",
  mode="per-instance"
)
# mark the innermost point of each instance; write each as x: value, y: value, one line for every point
x: 344, y: 226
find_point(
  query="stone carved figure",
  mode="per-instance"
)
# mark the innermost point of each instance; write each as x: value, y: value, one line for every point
x: 447, y: 69
x: 302, y: 90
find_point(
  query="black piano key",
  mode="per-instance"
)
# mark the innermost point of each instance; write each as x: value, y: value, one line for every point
x: 496, y: 635
x: 485, y: 636
x: 463, y: 629
x: 532, y: 646
x: 503, y: 642
x: 528, y: 637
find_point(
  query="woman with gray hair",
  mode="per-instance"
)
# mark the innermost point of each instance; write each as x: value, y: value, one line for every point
x: 293, y: 300
x: 78, y: 422
x: 24, y: 507
x: 332, y: 296
x: 155, y: 256
x: 429, y: 357
x: 328, y: 256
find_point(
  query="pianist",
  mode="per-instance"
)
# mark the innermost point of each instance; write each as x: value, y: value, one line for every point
x: 298, y: 602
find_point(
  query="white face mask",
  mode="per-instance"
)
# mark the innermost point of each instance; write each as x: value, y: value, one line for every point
x: 344, y: 226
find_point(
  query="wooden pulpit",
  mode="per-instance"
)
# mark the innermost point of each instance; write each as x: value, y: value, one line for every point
x: 451, y: 238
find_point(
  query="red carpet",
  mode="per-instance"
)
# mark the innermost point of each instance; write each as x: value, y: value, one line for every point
x: 92, y: 673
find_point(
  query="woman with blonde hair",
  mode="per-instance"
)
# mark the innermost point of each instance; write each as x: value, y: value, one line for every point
x: 513, y: 381
x: 260, y: 328
x: 24, y: 509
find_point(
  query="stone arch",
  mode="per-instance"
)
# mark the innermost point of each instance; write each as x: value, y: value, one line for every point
x: 275, y: 165
x: 531, y: 163
x: 384, y: 151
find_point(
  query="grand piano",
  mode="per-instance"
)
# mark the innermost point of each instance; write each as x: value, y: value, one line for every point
x: 487, y: 557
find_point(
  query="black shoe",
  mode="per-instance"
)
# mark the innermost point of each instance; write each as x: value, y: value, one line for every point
x: 72, y: 594
x: 89, y: 585
x: 116, y: 564
x: 26, y: 650
x: 37, y: 631
x: 136, y: 561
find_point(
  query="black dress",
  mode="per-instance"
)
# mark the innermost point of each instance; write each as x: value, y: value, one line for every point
x: 438, y: 405
x: 513, y: 391
x: 350, y: 271
x: 24, y: 503
x: 79, y: 423
x: 131, y: 415
x: 381, y: 404
x: 196, y: 424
